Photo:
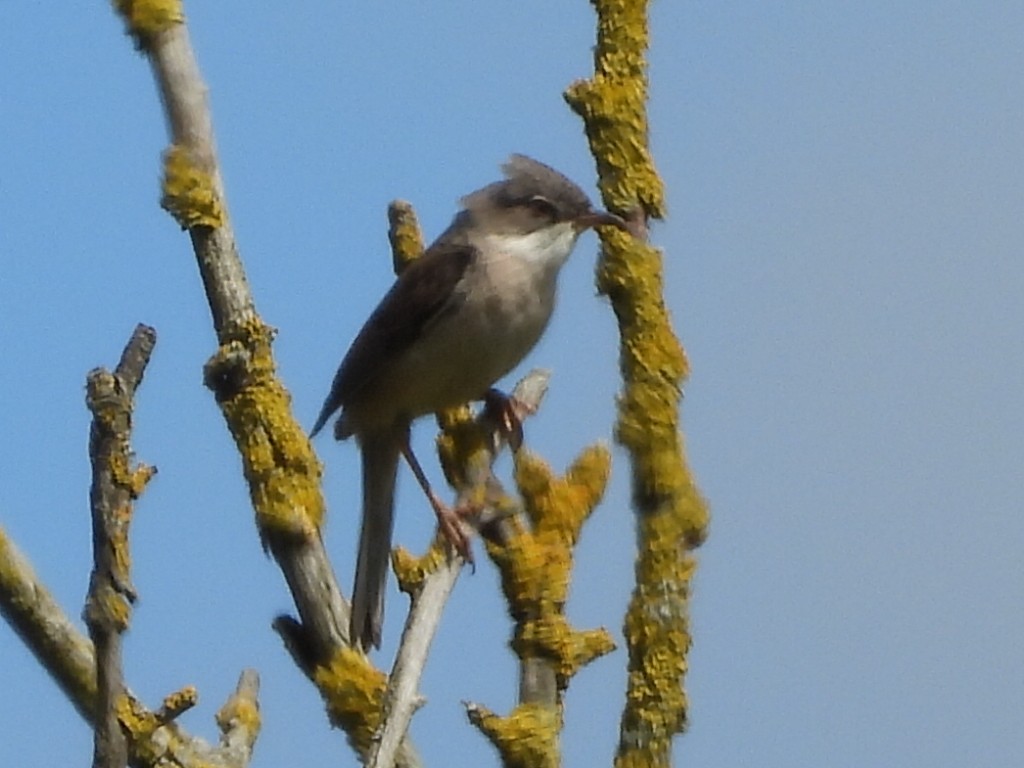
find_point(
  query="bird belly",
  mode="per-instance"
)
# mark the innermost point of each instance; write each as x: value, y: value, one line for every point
x: 466, y: 351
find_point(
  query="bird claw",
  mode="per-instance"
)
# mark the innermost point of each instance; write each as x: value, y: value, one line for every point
x: 450, y: 521
x: 508, y: 411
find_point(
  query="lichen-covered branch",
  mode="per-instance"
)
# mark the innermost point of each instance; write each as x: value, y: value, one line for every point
x: 68, y: 656
x: 470, y: 445
x: 115, y: 487
x: 282, y: 472
x: 62, y: 650
x: 526, y: 739
x: 672, y: 516
x: 535, y: 558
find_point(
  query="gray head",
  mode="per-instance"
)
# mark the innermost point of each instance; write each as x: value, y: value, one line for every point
x: 532, y: 196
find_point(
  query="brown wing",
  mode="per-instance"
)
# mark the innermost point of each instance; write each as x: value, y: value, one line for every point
x: 423, y: 292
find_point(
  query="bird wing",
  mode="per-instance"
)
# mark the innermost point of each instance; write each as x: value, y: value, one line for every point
x: 424, y: 292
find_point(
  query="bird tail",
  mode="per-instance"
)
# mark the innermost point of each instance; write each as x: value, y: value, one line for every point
x: 380, y: 455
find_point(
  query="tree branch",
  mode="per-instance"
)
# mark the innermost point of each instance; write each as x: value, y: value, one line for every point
x: 282, y: 472
x: 115, y: 486
x: 70, y: 659
x: 64, y: 652
x: 672, y: 517
x: 429, y: 580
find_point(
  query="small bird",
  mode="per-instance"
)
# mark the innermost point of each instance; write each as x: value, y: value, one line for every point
x: 456, y: 320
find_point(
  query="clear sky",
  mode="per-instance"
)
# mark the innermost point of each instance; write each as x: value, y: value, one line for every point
x: 843, y: 262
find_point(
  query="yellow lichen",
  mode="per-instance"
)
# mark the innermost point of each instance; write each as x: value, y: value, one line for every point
x: 671, y: 515
x: 144, y: 19
x: 353, y: 690
x: 139, y: 479
x: 461, y: 444
x: 536, y: 564
x: 527, y: 738
x: 189, y: 193
x: 177, y: 702
x: 411, y: 570
x: 139, y: 724
x: 613, y: 105
x: 237, y: 710
x: 404, y: 235
x: 278, y: 461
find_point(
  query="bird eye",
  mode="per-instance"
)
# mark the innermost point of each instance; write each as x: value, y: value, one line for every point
x: 543, y: 207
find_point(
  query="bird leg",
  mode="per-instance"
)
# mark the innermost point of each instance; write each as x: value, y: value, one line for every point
x: 448, y: 520
x: 508, y: 412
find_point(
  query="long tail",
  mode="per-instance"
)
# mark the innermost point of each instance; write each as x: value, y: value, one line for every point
x: 380, y: 454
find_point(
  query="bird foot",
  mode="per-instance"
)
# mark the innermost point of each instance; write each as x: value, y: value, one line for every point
x: 508, y: 411
x: 451, y: 522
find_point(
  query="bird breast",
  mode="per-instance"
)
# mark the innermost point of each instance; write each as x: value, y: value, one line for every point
x: 502, y: 306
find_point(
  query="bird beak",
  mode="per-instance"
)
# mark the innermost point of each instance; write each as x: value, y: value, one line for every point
x: 600, y: 219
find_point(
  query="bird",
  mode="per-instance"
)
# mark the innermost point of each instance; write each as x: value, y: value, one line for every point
x: 457, y: 319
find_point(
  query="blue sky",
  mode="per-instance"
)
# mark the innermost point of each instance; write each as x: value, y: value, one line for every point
x: 843, y: 266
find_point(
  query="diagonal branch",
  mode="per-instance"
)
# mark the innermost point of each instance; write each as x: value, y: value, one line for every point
x: 70, y: 659
x: 280, y: 468
x: 33, y: 613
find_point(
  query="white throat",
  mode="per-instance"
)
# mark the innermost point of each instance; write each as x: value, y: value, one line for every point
x: 548, y: 247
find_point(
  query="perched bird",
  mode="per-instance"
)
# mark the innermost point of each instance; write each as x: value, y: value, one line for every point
x: 455, y: 321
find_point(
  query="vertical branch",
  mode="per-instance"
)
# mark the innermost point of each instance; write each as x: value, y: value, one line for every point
x: 115, y: 486
x: 535, y: 559
x: 672, y: 516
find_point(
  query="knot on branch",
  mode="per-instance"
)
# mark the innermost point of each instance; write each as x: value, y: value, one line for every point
x: 230, y: 371
x: 240, y: 715
x: 189, y: 192
x: 108, y: 607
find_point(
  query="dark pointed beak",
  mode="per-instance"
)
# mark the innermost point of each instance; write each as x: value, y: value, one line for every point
x: 600, y: 219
